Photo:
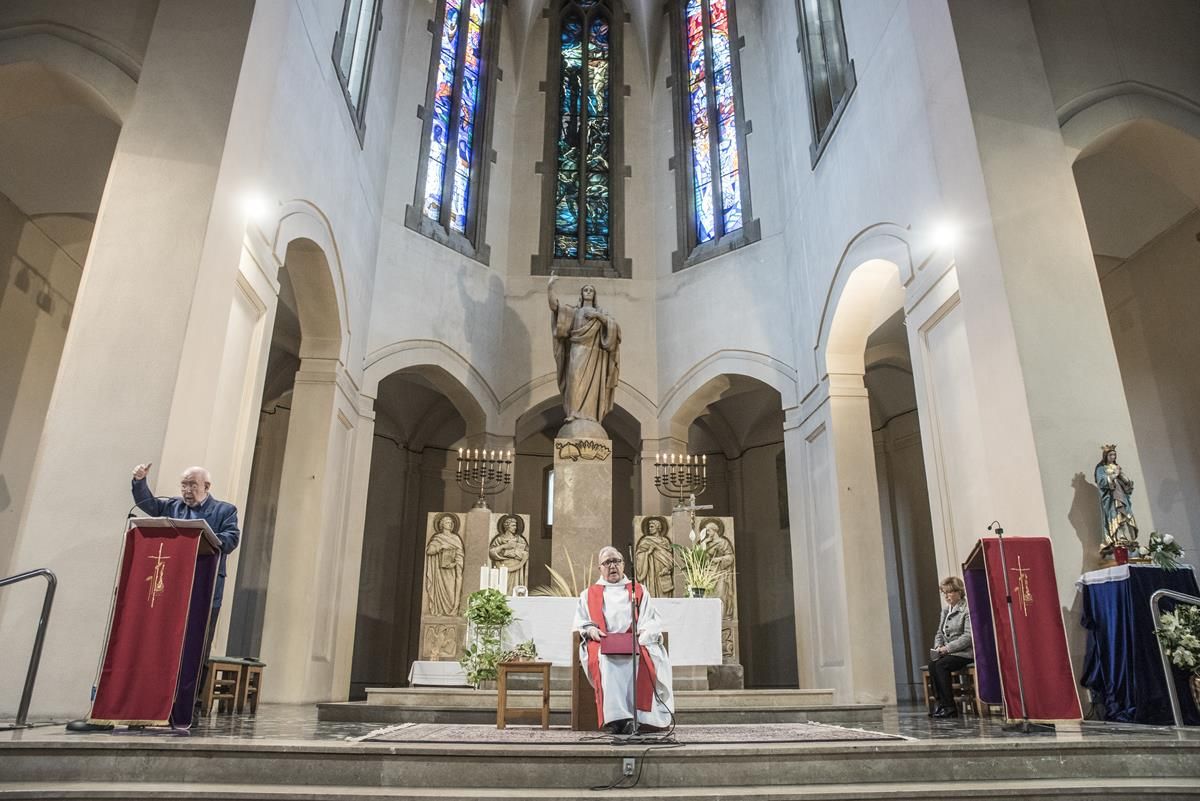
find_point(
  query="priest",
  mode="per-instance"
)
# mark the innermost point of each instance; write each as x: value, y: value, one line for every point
x: 605, y: 613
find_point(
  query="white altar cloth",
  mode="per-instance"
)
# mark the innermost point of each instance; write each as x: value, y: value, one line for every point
x: 694, y: 626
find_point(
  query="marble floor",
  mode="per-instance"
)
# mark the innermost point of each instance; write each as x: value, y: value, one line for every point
x: 288, y: 722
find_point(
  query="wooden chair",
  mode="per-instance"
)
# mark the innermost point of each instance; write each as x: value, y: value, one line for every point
x: 962, y: 684
x: 504, y: 712
x: 221, y: 686
x: 250, y: 686
x: 583, y: 697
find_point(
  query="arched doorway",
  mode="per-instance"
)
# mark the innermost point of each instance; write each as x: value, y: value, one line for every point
x: 1139, y: 185
x: 422, y: 416
x: 58, y: 137
x: 737, y: 422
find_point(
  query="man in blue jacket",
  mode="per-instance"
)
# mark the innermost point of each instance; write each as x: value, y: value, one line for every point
x: 194, y: 502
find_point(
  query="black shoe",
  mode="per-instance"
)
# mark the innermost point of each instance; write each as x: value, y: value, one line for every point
x: 946, y: 712
x: 933, y: 710
x: 83, y: 725
x: 622, y: 726
x: 628, y: 727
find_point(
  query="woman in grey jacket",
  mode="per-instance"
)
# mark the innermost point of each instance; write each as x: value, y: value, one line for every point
x: 952, y: 648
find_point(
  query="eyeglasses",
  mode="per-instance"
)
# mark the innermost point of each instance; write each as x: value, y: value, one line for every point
x: 608, y: 562
x: 950, y: 592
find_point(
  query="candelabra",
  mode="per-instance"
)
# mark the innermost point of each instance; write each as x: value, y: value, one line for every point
x: 680, y: 477
x: 483, y: 472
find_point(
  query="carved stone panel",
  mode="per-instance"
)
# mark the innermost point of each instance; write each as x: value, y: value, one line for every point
x: 654, y: 559
x: 508, y: 546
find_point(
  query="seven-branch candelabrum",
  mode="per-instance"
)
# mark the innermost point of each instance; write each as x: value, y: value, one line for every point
x: 680, y: 476
x: 482, y: 472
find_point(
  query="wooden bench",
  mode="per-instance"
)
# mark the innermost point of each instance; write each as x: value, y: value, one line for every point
x: 505, y: 713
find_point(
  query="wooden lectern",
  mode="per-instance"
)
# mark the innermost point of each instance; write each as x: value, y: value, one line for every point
x: 158, y: 623
x: 1042, y: 678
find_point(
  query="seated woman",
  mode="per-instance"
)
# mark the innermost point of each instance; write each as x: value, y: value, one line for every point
x: 952, y: 648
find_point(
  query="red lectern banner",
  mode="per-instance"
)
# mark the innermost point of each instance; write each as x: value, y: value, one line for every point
x: 1027, y: 572
x: 140, y: 669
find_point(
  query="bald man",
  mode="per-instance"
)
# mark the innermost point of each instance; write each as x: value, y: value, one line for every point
x: 606, y: 608
x: 194, y: 501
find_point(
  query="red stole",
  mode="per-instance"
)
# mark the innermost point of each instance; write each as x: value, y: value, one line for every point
x: 644, y: 693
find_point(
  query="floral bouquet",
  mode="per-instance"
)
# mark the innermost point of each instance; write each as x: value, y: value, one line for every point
x: 700, y: 575
x: 1179, y: 632
x: 1162, y: 550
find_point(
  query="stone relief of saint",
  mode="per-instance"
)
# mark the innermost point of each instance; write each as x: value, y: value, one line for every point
x: 510, y: 549
x: 712, y: 534
x: 654, y: 558
x: 443, y: 566
x: 587, y: 343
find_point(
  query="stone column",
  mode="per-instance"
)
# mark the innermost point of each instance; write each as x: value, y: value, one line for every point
x: 109, y: 413
x: 583, y: 524
x: 306, y: 588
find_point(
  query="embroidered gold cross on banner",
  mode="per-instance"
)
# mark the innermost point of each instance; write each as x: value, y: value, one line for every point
x: 1024, y: 596
x: 157, y: 585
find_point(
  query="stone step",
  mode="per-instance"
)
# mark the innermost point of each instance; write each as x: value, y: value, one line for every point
x: 460, y: 697
x: 1082, y: 789
x: 552, y: 771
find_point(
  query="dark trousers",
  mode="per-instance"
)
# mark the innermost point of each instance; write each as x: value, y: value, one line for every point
x: 939, y: 670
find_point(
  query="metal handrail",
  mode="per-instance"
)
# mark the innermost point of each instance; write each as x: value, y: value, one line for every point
x: 1155, y: 612
x: 36, y: 657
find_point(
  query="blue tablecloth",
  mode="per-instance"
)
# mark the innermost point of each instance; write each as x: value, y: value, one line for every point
x: 1122, y: 668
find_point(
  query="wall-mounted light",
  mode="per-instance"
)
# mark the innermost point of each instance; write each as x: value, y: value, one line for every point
x: 256, y: 206
x: 21, y: 282
x: 945, y: 235
x: 45, y: 301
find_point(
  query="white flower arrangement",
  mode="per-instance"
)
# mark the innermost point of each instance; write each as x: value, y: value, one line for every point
x: 1162, y: 550
x: 1179, y: 632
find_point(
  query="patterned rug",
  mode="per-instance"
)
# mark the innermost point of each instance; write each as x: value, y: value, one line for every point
x: 559, y: 735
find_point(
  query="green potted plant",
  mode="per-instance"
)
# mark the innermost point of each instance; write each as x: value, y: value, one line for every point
x: 1179, y: 633
x: 700, y: 575
x: 488, y: 613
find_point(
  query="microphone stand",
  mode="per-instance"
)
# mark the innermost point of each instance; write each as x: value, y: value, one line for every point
x: 1024, y: 726
x: 637, y: 650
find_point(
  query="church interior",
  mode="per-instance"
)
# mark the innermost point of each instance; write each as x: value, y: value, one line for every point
x: 877, y: 277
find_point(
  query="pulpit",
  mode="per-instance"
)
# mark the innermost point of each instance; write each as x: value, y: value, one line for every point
x: 158, y: 623
x: 1024, y: 570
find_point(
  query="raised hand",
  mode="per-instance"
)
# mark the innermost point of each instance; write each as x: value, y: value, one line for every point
x: 141, y: 471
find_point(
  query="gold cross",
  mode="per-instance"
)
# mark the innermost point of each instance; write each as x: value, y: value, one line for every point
x: 157, y: 585
x: 1023, y: 593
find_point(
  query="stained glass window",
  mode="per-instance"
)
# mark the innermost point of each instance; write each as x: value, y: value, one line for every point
x: 454, y: 115
x: 582, y: 201
x: 711, y: 114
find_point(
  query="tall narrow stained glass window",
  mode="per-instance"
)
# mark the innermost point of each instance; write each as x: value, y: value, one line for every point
x: 353, y: 53
x: 711, y: 162
x: 581, y: 202
x: 450, y: 183
x: 827, y: 65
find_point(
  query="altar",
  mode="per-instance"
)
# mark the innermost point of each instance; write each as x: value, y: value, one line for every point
x: 693, y: 626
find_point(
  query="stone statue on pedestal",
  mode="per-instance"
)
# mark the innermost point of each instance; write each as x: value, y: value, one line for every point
x: 1116, y: 499
x: 587, y: 343
x: 444, y: 560
x: 510, y: 549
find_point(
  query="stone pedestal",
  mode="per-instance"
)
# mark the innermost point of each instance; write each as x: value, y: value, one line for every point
x: 583, y: 479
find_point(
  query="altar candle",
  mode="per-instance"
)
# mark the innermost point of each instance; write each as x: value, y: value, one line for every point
x: 502, y: 580
x: 484, y: 576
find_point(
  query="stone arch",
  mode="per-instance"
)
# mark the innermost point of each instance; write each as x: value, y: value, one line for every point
x: 702, y: 384
x: 447, y: 370
x: 107, y: 73
x: 1093, y: 114
x: 303, y: 239
x: 866, y: 296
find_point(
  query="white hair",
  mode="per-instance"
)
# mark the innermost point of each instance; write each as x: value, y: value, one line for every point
x: 200, y: 471
x: 608, y: 549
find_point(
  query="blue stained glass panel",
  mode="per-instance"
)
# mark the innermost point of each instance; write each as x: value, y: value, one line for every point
x: 728, y: 152
x: 439, y: 135
x: 566, y: 247
x: 705, y: 218
x: 460, y: 198
x: 597, y: 248
x: 731, y: 194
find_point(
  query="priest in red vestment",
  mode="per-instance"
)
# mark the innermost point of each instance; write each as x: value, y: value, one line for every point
x: 606, y: 609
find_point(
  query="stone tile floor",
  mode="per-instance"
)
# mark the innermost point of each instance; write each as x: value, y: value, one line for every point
x: 299, y: 722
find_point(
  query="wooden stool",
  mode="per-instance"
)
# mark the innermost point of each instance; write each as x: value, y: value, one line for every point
x: 250, y: 686
x: 962, y: 685
x: 224, y: 678
x: 503, y: 711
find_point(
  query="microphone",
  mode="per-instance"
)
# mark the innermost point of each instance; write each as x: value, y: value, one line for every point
x: 995, y: 525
